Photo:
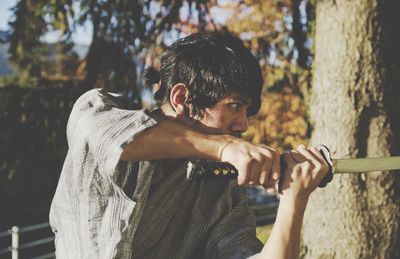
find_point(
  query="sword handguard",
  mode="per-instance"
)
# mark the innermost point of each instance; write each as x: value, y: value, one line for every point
x: 324, y: 150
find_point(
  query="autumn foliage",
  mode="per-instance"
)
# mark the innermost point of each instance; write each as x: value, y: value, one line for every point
x: 268, y: 28
x: 281, y: 122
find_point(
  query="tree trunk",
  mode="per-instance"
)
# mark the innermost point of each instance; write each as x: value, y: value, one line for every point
x: 356, y: 112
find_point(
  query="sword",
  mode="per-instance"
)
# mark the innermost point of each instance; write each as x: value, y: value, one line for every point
x: 362, y: 165
x: 213, y: 170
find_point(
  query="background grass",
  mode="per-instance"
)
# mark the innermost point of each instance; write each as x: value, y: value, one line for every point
x: 263, y: 232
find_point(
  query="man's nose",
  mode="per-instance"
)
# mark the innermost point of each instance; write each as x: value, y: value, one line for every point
x: 241, y: 124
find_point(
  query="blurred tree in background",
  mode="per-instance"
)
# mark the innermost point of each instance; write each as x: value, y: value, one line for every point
x: 121, y: 29
x: 28, y: 53
x: 355, y: 112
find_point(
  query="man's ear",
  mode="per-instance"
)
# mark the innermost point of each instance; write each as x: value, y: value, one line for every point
x: 178, y: 97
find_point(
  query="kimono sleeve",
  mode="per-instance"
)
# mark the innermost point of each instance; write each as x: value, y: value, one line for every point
x: 102, y: 122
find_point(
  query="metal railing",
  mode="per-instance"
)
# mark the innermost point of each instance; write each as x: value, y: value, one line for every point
x: 16, y: 247
x: 265, y: 214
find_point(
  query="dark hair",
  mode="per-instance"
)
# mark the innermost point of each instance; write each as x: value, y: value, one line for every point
x: 211, y: 65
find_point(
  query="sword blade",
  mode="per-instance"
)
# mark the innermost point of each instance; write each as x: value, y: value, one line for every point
x: 360, y: 165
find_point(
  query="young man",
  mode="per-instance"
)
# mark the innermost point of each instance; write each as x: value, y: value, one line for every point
x: 123, y: 191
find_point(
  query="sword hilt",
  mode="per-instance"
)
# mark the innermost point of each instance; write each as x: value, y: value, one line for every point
x: 326, y: 154
x: 215, y: 170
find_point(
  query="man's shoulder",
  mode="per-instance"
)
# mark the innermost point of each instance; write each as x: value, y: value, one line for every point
x: 100, y: 97
x: 97, y: 108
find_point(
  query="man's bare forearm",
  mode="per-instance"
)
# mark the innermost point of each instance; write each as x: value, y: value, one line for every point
x: 284, y: 240
x: 173, y: 139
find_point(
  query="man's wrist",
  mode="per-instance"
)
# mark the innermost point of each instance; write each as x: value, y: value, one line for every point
x: 211, y: 146
x: 226, y: 140
x: 297, y: 204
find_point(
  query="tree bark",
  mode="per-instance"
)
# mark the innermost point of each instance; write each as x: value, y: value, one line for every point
x: 355, y: 111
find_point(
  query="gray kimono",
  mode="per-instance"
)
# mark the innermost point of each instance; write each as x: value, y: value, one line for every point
x: 106, y: 208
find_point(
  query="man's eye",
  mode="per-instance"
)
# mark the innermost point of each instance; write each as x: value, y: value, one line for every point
x: 235, y: 106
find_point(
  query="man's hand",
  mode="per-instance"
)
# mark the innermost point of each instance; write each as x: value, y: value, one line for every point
x: 305, y: 169
x: 256, y: 164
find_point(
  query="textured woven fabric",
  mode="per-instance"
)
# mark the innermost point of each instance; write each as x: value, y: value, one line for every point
x: 106, y: 208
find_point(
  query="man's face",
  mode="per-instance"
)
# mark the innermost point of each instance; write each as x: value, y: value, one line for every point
x: 228, y: 116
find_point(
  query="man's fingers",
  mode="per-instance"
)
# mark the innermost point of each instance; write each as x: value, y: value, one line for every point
x: 289, y: 158
x: 270, y: 186
x: 276, y: 166
x: 297, y: 156
x: 309, y: 156
x: 244, y: 173
x: 318, y: 156
x: 260, y: 168
x: 254, y: 175
x: 271, y: 189
x: 265, y: 172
